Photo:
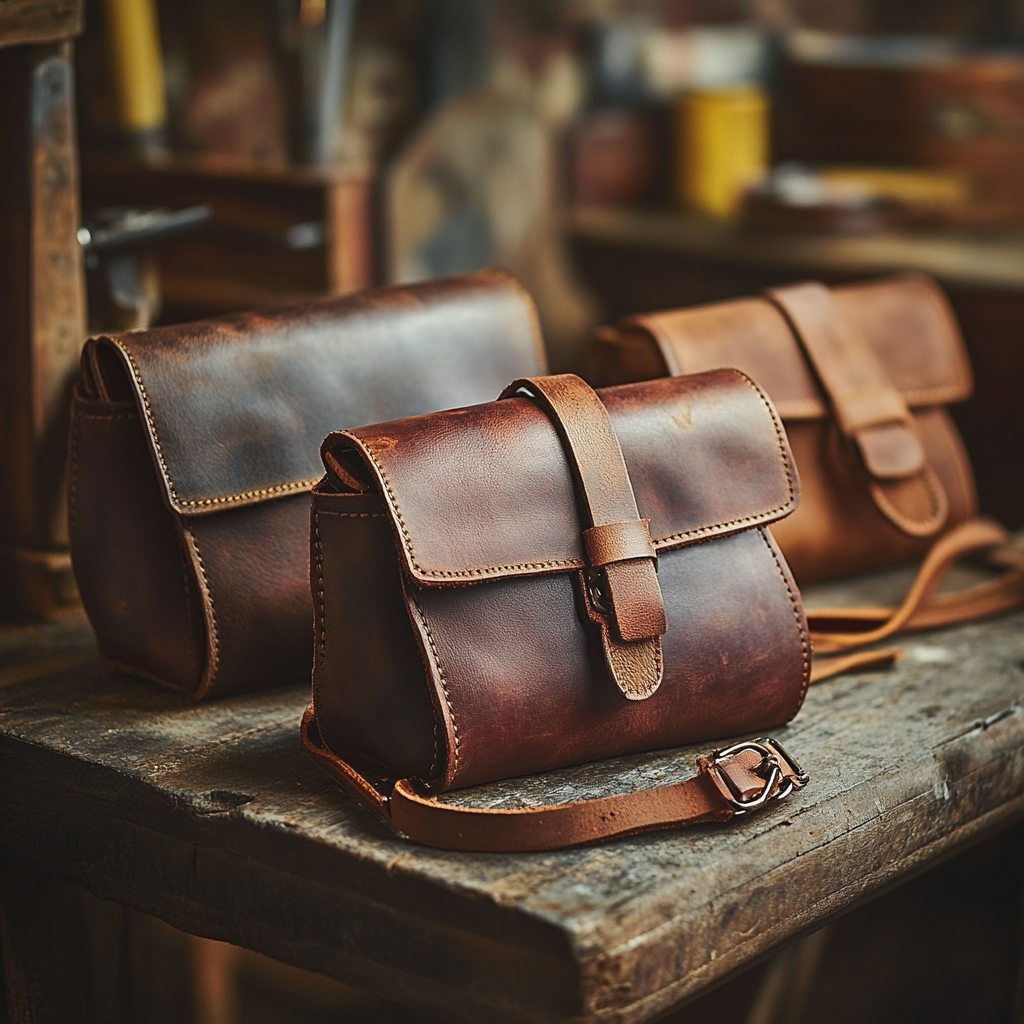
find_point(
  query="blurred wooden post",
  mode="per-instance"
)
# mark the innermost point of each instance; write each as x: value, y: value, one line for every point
x: 41, y: 295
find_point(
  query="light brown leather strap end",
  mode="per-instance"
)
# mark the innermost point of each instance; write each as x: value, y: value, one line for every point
x: 858, y: 661
x: 840, y: 629
x: 868, y: 408
x: 742, y: 778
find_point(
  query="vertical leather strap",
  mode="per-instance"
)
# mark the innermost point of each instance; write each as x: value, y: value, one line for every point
x: 868, y: 409
x: 624, y: 581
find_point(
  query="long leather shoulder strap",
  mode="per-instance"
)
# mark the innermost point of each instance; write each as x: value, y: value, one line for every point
x: 868, y: 408
x: 730, y: 782
x: 616, y: 540
x: 840, y: 629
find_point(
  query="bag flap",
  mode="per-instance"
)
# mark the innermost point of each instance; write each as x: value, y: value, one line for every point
x: 906, y: 320
x: 487, y: 491
x: 237, y: 406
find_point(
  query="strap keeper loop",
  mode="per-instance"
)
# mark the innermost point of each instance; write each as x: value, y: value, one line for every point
x: 619, y: 542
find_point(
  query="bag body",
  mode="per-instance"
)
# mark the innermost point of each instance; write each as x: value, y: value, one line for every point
x: 553, y: 578
x: 194, y: 447
x: 861, y: 376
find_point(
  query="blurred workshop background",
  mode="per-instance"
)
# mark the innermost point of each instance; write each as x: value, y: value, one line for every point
x: 617, y: 155
x: 195, y: 157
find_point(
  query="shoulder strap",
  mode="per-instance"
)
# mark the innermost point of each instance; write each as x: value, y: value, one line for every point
x: 868, y: 409
x: 841, y: 629
x: 741, y: 778
x: 623, y: 582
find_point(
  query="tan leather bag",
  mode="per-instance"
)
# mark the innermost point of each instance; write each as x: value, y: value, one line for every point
x: 861, y: 376
x: 193, y: 449
x: 549, y: 579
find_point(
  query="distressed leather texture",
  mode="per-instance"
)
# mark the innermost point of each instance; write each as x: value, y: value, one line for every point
x: 457, y: 639
x: 193, y: 449
x: 861, y: 375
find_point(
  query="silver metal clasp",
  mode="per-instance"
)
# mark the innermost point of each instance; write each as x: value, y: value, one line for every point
x: 747, y: 785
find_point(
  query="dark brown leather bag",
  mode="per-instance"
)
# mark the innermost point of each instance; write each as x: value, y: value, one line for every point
x: 548, y: 579
x: 193, y: 449
x: 861, y: 376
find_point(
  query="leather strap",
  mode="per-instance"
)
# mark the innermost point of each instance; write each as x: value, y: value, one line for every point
x: 624, y: 589
x: 730, y: 782
x: 868, y: 409
x: 840, y: 629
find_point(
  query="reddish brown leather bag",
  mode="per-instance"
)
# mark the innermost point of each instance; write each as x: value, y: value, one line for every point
x: 861, y: 376
x: 193, y: 449
x: 548, y: 579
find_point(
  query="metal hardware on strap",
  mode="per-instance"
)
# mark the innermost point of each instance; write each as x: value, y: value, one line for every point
x: 748, y: 783
x: 732, y: 782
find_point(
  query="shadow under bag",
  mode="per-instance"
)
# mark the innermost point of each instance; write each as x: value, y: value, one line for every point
x: 193, y: 449
x: 548, y: 579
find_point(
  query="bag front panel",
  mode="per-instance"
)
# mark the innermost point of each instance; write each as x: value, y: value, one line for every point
x: 520, y: 668
x: 133, y: 575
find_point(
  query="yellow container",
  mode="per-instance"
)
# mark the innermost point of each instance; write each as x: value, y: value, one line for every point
x: 136, y: 63
x: 722, y: 147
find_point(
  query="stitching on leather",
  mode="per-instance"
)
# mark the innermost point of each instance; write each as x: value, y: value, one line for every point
x: 444, y: 688
x: 575, y: 563
x: 805, y: 644
x: 760, y: 516
x: 215, y: 637
x: 353, y: 515
x: 73, y: 482
x: 295, y: 485
x: 894, y: 515
x: 320, y: 580
x: 490, y: 570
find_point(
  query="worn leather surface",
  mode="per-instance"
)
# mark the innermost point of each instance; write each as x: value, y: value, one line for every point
x: 149, y: 621
x: 487, y: 492
x: 483, y: 514
x: 237, y: 406
x: 208, y: 510
x: 878, y: 486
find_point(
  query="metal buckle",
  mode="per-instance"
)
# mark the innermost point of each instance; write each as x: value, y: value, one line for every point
x: 780, y: 773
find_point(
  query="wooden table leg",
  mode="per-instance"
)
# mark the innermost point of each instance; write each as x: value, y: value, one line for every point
x: 46, y: 949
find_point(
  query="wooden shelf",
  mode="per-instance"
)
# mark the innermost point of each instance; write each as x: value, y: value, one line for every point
x: 991, y: 259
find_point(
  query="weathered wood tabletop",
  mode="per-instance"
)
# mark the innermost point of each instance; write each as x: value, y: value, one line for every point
x: 212, y: 817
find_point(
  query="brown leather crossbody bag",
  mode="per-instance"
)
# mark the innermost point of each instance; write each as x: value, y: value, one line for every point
x: 861, y: 376
x: 194, y: 447
x: 548, y: 579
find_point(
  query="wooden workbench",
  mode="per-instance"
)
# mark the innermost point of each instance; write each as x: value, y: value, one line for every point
x: 211, y: 817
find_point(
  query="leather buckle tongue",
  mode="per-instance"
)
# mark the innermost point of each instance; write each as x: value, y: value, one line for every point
x: 750, y: 774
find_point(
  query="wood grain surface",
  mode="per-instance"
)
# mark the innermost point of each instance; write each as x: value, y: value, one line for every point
x: 212, y: 817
